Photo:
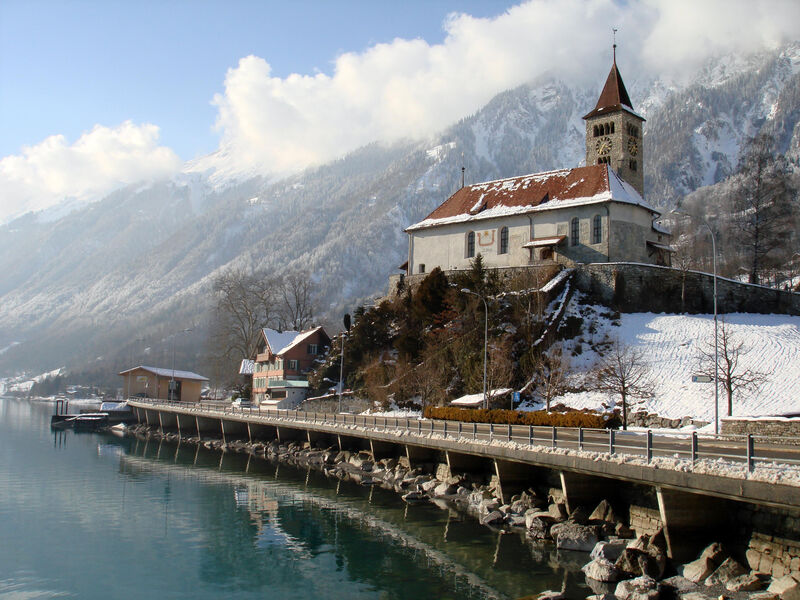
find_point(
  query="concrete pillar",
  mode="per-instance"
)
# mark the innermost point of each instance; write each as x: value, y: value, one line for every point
x: 691, y: 521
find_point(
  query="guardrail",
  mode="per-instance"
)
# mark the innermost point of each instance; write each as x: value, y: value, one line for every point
x: 748, y: 450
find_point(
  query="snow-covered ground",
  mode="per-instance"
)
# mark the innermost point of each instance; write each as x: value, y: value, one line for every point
x: 670, y: 345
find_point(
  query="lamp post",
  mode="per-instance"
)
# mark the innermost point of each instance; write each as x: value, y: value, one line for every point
x: 485, y: 340
x: 171, y: 393
x: 345, y: 331
x: 716, y: 322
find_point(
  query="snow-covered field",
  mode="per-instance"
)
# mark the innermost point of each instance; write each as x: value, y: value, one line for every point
x: 670, y: 346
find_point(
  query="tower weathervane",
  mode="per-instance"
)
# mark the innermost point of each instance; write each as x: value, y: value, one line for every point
x: 614, y: 35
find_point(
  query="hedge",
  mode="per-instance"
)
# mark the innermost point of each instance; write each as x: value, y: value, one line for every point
x: 540, y: 417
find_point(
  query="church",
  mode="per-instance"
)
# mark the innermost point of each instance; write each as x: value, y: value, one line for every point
x: 590, y: 214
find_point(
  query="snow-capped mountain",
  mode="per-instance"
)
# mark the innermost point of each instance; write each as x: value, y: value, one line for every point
x: 139, y: 263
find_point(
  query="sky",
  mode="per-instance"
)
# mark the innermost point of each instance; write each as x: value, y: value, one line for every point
x: 94, y: 95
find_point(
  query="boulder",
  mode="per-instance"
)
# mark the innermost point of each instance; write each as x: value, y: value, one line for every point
x: 725, y: 572
x: 610, y: 550
x: 487, y: 506
x: 551, y: 595
x: 429, y: 486
x: 573, y: 536
x: 495, y: 517
x: 414, y: 497
x: 623, y: 531
x: 558, y: 511
x: 641, y: 588
x: 601, y: 569
x: 636, y: 562
x: 538, y: 527
x: 715, y: 553
x: 580, y: 515
x: 444, y: 489
x: 515, y: 520
x: 603, y: 512
x: 697, y: 570
x: 749, y: 582
x: 786, y: 587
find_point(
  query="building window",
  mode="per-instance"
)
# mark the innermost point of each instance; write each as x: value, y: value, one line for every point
x: 503, y: 240
x: 421, y: 267
x: 313, y: 349
x: 604, y: 160
x: 293, y: 365
x: 470, y: 244
x: 633, y: 165
x: 574, y: 232
x: 597, y: 230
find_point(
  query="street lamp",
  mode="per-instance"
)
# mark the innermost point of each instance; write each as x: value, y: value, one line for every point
x: 485, y: 340
x: 171, y: 394
x: 716, y: 324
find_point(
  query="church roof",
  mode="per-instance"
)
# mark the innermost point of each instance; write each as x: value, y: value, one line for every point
x: 614, y: 96
x: 533, y: 193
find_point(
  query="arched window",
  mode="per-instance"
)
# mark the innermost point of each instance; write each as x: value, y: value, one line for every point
x: 597, y: 230
x: 604, y: 160
x: 503, y: 240
x: 470, y: 244
x: 633, y: 165
x: 596, y: 131
x: 574, y: 232
x: 612, y: 127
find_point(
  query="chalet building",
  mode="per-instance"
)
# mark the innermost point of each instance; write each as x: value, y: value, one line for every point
x: 595, y: 213
x: 155, y: 382
x: 280, y: 368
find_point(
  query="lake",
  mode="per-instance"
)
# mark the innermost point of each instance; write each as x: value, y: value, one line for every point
x: 96, y: 516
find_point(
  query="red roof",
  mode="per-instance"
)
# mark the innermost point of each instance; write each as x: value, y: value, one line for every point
x: 528, y: 193
x: 614, y: 96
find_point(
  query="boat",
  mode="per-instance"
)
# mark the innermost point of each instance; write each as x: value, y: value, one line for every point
x: 83, y: 422
x: 119, y: 429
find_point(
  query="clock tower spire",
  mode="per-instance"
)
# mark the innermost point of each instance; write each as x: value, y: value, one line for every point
x: 614, y: 130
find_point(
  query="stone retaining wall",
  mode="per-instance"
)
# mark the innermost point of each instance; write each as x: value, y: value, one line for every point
x: 786, y: 429
x: 631, y: 287
x: 774, y: 540
x: 645, y: 520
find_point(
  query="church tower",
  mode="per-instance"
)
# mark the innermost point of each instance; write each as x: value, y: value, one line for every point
x: 614, y: 132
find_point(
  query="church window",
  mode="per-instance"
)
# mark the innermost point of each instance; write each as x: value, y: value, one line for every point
x: 574, y: 232
x: 421, y: 267
x: 604, y: 160
x: 612, y: 127
x: 596, y: 131
x: 470, y: 244
x: 597, y: 230
x: 633, y: 165
x: 503, y: 240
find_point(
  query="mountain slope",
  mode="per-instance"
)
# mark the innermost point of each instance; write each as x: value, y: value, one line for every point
x: 139, y: 263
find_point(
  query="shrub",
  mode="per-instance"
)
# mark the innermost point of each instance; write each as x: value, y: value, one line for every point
x: 514, y: 417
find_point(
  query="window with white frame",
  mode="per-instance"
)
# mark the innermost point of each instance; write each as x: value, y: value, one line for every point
x: 470, y: 244
x: 503, y: 240
x: 575, y: 231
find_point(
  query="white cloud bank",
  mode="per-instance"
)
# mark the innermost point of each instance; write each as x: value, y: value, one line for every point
x: 409, y: 88
x: 405, y: 88
x: 99, y: 161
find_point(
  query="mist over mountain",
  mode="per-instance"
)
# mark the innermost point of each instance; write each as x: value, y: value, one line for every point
x: 106, y: 284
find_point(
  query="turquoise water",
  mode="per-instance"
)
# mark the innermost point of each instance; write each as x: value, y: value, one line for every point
x: 96, y: 516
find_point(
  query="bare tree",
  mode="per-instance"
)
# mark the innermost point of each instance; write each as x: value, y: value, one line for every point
x: 244, y: 304
x: 296, y: 292
x: 763, y: 208
x: 623, y: 372
x: 551, y: 374
x: 732, y: 374
x: 500, y: 366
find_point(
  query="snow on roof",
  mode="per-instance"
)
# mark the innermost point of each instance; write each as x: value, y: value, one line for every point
x: 278, y: 339
x: 551, y: 190
x: 247, y: 367
x: 171, y: 373
x: 553, y: 240
x: 298, y: 339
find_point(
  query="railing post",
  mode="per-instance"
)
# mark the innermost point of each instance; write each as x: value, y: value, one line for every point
x: 474, y: 431
x: 751, y: 447
x: 491, y: 432
x: 611, y: 441
x: 419, y: 427
x: 445, y: 429
x: 431, y: 426
x: 555, y: 438
x: 580, y: 438
x: 694, y: 447
x: 530, y: 435
x: 649, y: 446
x: 459, y: 429
x: 509, y: 432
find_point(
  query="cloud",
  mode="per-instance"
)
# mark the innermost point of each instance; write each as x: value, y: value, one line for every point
x: 99, y: 161
x: 409, y: 88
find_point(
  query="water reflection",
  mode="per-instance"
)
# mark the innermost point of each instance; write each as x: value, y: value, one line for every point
x: 378, y: 540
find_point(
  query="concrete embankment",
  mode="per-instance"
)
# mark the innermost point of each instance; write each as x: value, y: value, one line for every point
x: 618, y: 561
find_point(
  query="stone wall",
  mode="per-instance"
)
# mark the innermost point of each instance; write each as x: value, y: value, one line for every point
x: 774, y: 539
x: 631, y: 287
x: 644, y: 520
x: 785, y: 428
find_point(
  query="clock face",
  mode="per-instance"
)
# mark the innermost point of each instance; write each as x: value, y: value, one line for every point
x: 603, y: 146
x: 633, y: 146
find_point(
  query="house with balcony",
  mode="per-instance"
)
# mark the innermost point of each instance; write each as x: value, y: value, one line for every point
x: 281, y: 365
